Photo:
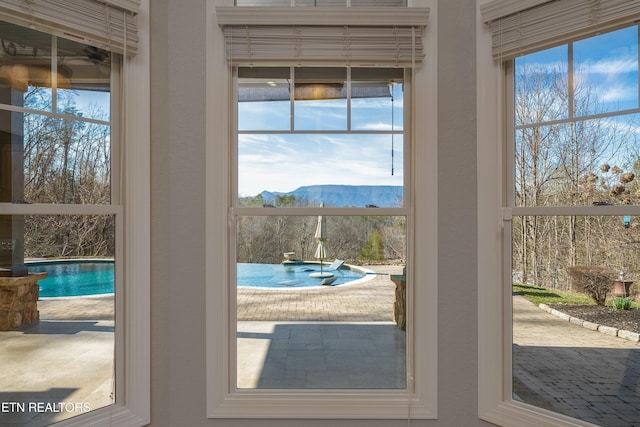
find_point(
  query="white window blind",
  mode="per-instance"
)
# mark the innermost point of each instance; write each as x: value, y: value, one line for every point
x: 106, y: 24
x: 336, y: 36
x: 519, y: 28
x: 323, y: 3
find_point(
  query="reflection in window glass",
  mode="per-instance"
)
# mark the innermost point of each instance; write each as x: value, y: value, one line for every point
x: 541, y: 93
x: 606, y: 72
x: 317, y: 306
x: 377, y: 99
x: 320, y: 99
x: 571, y: 263
x: 25, y: 67
x: 88, y: 83
x: 66, y: 359
x: 88, y: 103
x: 264, y: 99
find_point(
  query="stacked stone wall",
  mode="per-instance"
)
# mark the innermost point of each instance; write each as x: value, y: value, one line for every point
x: 19, y: 301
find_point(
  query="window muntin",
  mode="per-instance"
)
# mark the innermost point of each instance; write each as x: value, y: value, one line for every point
x: 571, y: 190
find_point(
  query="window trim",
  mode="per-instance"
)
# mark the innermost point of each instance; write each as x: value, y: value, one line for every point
x: 133, y: 400
x: 495, y: 404
x: 416, y: 402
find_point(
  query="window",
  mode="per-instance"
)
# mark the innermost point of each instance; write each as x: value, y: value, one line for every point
x: 303, y: 116
x: 332, y: 129
x: 68, y: 203
x: 566, y: 168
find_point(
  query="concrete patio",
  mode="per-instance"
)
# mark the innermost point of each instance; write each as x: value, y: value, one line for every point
x: 327, y: 337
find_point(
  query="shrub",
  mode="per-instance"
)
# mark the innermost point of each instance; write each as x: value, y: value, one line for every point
x: 594, y: 281
x: 621, y: 303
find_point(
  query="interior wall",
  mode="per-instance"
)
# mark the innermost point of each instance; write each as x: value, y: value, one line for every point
x: 178, y: 364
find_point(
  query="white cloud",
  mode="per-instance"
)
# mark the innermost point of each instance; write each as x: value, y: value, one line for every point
x: 277, y: 163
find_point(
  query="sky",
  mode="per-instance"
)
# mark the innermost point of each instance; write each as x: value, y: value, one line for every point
x: 605, y: 67
x: 608, y: 63
x: 320, y: 153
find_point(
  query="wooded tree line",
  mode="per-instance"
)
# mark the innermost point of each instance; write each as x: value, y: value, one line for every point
x: 264, y: 239
x: 66, y: 161
x: 571, y: 163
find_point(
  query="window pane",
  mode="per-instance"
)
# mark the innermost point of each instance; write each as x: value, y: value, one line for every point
x: 377, y: 99
x: 57, y: 334
x: 86, y: 90
x: 582, y: 163
x: 320, y: 99
x: 65, y: 161
x: 264, y: 99
x: 25, y: 68
x: 337, y: 169
x: 577, y: 367
x: 45, y: 158
x: 294, y: 332
x: 606, y: 72
x: 541, y: 90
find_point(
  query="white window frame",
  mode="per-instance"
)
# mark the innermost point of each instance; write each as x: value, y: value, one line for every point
x: 495, y: 133
x: 419, y: 400
x: 132, y: 336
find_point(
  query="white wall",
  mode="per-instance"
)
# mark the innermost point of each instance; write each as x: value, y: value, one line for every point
x: 178, y: 29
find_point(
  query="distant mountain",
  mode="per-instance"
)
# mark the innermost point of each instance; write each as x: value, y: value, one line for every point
x: 345, y: 195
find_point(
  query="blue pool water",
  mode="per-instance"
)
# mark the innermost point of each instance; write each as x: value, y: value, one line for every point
x: 290, y: 276
x: 74, y: 278
x: 78, y: 278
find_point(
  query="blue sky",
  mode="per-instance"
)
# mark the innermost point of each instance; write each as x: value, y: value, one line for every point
x: 605, y: 81
x: 92, y: 104
x: 607, y: 63
x: 321, y: 153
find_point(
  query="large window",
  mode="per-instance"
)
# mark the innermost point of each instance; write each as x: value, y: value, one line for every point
x: 574, y: 145
x: 312, y: 312
x: 568, y: 211
x: 330, y: 140
x: 70, y: 209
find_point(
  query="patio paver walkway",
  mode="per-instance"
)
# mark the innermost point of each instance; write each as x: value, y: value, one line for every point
x: 573, y: 370
x: 368, y: 301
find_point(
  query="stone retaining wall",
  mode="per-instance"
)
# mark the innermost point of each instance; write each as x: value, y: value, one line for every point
x: 19, y: 301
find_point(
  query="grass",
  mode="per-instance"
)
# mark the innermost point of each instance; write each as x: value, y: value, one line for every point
x: 539, y: 295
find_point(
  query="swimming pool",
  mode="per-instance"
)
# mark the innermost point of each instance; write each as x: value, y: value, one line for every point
x: 94, y: 277
x: 74, y: 277
x: 291, y: 275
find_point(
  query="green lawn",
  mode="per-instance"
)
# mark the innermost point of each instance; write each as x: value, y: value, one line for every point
x: 539, y: 295
x: 551, y: 296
